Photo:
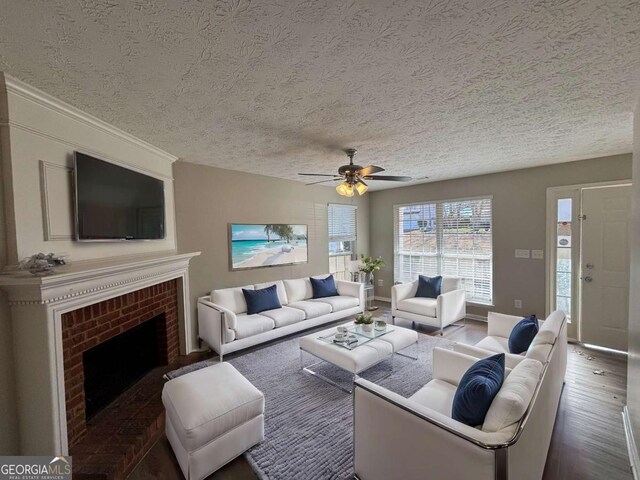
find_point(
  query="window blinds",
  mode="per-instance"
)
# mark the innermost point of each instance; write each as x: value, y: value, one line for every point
x: 451, y: 238
x: 342, y: 223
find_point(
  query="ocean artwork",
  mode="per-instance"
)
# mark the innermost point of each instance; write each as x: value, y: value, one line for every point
x: 268, y: 245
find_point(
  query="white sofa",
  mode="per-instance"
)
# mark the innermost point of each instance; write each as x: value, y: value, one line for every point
x: 226, y: 327
x: 497, y: 340
x: 415, y: 438
x: 448, y: 308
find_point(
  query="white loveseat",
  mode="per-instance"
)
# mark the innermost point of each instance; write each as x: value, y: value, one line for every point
x: 415, y: 438
x: 226, y: 327
x: 448, y: 308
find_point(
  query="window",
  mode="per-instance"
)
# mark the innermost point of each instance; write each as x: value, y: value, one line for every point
x: 451, y: 237
x: 563, y: 255
x: 342, y: 239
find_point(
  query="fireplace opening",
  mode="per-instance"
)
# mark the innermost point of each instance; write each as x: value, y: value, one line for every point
x: 113, y: 366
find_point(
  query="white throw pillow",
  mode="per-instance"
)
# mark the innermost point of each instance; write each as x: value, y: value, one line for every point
x: 298, y: 289
x: 231, y: 298
x: 514, y: 397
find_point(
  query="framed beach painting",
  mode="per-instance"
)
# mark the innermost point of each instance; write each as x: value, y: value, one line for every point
x: 268, y: 245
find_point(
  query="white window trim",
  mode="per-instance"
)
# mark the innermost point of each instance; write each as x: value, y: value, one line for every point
x: 490, y: 303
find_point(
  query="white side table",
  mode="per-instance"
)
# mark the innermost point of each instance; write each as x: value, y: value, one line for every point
x: 369, y: 294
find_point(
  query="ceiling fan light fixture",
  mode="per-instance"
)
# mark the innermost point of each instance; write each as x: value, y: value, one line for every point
x: 361, y: 188
x: 343, y: 188
x: 353, y: 177
x: 350, y: 190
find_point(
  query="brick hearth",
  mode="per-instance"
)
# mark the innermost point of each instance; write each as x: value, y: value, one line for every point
x: 87, y: 327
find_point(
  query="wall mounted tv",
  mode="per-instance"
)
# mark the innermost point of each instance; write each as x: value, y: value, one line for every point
x: 114, y: 203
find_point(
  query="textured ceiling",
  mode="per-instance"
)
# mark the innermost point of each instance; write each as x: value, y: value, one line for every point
x: 438, y: 88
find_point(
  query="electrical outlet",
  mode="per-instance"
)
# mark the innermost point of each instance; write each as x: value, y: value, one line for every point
x: 380, y: 282
x: 537, y: 254
x: 517, y: 303
x: 522, y: 253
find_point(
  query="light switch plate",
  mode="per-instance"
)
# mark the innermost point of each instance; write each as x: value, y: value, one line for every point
x: 537, y: 254
x: 522, y: 253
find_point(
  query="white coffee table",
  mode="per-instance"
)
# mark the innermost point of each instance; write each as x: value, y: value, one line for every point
x: 372, y: 348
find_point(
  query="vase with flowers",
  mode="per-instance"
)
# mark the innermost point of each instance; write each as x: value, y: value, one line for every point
x: 370, y: 265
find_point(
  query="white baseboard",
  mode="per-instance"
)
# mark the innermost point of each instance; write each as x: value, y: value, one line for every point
x: 631, y: 444
x: 382, y: 299
x: 479, y: 318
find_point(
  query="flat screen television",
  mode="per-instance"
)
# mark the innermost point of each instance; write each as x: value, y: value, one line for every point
x: 115, y: 203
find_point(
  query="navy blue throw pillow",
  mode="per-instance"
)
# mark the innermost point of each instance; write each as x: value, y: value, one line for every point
x: 477, y: 389
x: 429, y: 287
x: 523, y: 334
x: 323, y: 287
x: 261, y: 299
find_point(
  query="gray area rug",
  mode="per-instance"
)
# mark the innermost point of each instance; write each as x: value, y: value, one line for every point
x: 308, y: 423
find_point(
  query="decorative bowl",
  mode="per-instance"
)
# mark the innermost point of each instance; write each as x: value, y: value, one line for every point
x: 381, y: 325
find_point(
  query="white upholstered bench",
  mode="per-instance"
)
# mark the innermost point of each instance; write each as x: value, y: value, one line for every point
x: 213, y: 415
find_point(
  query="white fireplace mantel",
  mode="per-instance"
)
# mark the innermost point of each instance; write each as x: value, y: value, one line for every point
x: 37, y: 305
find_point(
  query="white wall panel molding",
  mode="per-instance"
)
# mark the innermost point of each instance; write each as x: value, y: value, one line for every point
x: 57, y: 193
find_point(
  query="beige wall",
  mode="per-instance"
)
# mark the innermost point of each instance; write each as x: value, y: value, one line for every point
x: 519, y: 218
x: 633, y: 371
x: 208, y: 199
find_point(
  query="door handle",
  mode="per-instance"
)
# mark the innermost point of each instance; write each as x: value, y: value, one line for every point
x: 588, y: 279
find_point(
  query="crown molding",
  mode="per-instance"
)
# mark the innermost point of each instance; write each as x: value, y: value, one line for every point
x: 18, y: 87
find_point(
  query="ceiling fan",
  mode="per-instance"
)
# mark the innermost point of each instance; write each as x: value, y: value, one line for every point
x: 353, y: 176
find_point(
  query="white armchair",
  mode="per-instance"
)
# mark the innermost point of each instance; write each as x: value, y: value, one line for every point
x: 448, y: 308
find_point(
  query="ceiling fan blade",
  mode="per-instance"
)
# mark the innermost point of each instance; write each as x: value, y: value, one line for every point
x: 324, y: 181
x: 391, y: 178
x: 318, y: 174
x: 368, y: 170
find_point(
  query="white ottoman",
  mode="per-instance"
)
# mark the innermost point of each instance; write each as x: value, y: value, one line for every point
x: 213, y: 415
x: 360, y: 358
x: 400, y: 339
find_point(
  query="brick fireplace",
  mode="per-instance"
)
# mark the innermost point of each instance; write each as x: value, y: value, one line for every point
x: 87, y: 327
x: 57, y: 317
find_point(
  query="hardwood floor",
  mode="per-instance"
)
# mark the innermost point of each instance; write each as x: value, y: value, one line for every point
x: 588, y: 440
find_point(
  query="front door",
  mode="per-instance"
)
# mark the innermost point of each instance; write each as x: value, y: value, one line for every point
x: 604, y: 269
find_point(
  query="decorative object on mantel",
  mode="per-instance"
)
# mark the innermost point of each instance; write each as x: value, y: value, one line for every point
x: 41, y: 264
